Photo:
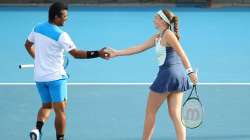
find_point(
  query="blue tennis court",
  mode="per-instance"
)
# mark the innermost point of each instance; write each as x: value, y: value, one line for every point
x: 216, y: 41
x: 116, y: 111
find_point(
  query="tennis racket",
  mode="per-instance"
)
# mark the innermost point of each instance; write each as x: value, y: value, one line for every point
x: 192, y: 110
x: 65, y: 64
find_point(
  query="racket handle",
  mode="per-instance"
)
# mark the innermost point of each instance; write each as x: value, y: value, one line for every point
x: 21, y: 66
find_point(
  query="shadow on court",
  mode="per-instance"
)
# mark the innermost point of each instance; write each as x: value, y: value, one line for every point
x: 215, y: 137
x: 220, y: 137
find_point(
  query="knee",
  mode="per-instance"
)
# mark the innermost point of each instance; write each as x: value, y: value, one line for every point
x: 174, y: 114
x: 59, y: 109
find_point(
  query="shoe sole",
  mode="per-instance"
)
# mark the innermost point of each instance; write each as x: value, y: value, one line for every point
x: 33, y: 136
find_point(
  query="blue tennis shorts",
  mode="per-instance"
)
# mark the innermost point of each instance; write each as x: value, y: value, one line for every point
x: 53, y: 91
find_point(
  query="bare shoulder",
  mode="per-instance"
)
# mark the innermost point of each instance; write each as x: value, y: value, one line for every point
x: 171, y: 39
x: 169, y: 34
x: 150, y: 42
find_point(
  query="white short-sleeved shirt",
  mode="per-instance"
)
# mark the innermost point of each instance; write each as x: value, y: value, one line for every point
x: 49, y: 42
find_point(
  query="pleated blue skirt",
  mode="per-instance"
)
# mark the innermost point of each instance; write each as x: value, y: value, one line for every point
x: 171, y: 76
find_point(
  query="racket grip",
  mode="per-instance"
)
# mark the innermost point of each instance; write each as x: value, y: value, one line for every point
x: 21, y: 66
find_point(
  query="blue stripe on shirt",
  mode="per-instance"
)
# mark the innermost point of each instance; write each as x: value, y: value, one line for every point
x: 49, y: 30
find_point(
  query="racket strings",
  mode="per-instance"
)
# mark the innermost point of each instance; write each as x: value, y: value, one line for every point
x: 192, y: 111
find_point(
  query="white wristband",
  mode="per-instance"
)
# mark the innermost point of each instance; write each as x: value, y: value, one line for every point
x: 189, y: 70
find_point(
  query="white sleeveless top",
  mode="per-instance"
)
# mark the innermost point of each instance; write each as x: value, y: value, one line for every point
x: 160, y: 51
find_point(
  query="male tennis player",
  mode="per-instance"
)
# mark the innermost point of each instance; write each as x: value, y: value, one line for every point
x: 46, y: 44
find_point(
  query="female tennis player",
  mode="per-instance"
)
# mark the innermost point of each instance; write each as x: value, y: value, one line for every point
x: 172, y: 79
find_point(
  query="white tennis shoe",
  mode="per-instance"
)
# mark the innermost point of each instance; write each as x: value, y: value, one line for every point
x: 35, y: 134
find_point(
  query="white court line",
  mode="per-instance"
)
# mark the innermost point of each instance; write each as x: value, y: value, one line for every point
x: 124, y: 84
